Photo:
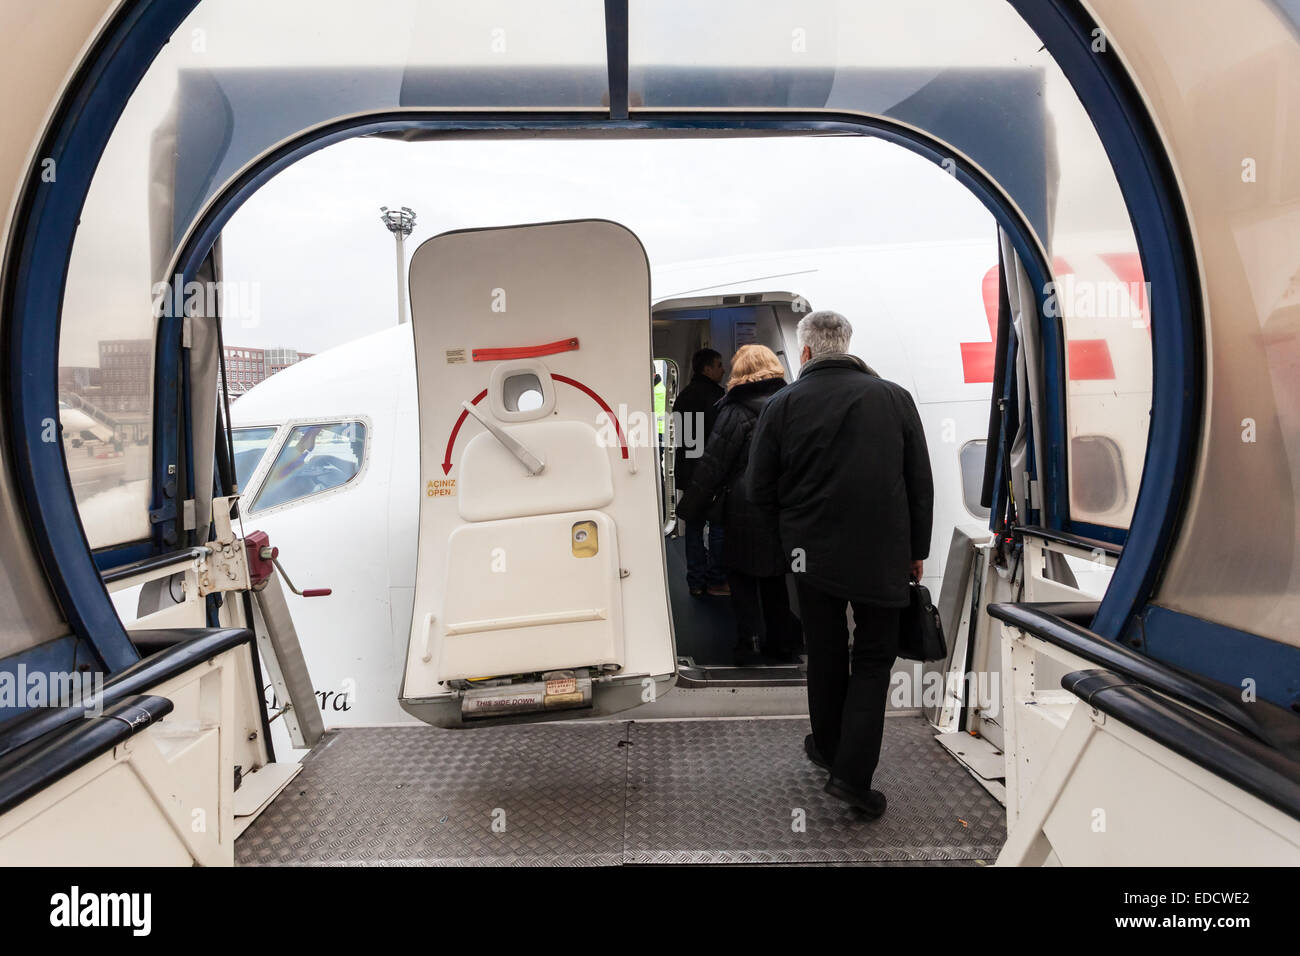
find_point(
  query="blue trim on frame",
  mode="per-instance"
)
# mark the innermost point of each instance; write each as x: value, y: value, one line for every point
x: 1100, y: 532
x: 1055, y: 484
x: 1222, y: 653
x: 121, y: 554
x: 63, y: 655
x: 1164, y: 238
x: 44, y: 226
x: 164, y: 512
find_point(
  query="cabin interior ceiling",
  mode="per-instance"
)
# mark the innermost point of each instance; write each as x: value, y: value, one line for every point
x: 725, y: 328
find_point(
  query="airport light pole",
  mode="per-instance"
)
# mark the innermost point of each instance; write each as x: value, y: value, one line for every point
x: 400, y: 222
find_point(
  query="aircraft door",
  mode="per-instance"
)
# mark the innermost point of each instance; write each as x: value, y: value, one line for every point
x: 540, y: 587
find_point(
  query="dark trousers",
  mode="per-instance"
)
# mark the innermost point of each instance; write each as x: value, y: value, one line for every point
x: 847, y: 693
x: 762, y: 610
x: 704, y: 564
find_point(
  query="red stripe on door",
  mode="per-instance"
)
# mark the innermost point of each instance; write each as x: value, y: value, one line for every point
x: 525, y: 351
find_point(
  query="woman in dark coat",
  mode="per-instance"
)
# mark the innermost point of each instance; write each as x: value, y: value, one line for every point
x: 751, y: 552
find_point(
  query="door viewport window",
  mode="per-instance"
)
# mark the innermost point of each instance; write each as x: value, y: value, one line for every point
x: 522, y: 393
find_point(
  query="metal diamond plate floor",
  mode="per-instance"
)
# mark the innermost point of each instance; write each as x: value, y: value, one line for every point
x: 716, y: 791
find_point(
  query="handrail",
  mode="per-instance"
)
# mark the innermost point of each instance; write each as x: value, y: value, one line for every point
x: 1078, y: 540
x: 155, y: 563
x: 26, y: 774
x: 1076, y: 612
x: 1261, y: 719
x: 1254, y: 767
x: 189, y: 647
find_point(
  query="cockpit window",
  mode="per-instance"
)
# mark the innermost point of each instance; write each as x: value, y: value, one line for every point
x: 313, y: 459
x: 250, y: 446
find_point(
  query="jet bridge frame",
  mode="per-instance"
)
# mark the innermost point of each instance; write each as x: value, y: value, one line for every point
x: 36, y: 270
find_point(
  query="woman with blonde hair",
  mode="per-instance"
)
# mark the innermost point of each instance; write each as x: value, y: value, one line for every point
x: 752, y: 553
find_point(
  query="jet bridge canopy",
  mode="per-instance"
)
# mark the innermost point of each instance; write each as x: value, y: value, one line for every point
x: 1161, y: 133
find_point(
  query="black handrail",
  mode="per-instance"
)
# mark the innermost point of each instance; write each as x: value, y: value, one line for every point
x: 155, y: 563
x: 189, y: 648
x: 53, y: 758
x: 1261, y: 719
x: 1254, y: 767
x: 1078, y: 540
x: 1076, y: 612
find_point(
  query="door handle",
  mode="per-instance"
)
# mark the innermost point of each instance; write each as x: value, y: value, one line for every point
x: 534, y: 463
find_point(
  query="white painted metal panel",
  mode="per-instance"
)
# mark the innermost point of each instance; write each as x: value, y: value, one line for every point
x: 500, y: 589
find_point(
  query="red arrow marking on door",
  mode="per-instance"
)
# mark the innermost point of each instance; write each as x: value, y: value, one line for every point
x: 599, y: 401
x: 455, y: 430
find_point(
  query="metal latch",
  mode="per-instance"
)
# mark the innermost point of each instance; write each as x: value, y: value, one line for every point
x: 531, y: 461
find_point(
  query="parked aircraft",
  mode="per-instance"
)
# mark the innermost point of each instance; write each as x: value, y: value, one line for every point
x: 362, y: 483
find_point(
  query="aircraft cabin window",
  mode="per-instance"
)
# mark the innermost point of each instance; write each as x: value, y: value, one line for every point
x: 1096, y: 474
x: 312, y: 460
x: 971, y: 459
x: 522, y: 393
x: 250, y: 446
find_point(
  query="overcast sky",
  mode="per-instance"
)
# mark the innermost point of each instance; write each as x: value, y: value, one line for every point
x: 313, y: 250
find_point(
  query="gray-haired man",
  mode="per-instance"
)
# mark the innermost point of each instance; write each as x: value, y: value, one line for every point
x: 839, y: 459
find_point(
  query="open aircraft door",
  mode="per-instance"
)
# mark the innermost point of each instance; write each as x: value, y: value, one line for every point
x: 540, y: 590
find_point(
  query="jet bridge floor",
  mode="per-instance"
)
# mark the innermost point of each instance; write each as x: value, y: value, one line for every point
x: 691, y: 791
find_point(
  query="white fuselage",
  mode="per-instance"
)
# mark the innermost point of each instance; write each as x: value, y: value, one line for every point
x: 913, y: 306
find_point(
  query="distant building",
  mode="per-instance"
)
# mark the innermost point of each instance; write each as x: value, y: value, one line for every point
x: 246, y: 367
x: 117, y: 392
x: 125, y: 368
x: 80, y: 379
x: 277, y: 360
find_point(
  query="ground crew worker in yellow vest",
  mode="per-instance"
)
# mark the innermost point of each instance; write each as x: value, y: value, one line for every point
x: 661, y: 404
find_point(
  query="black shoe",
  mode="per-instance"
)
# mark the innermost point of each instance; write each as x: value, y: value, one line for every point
x: 870, y: 802
x: 815, y: 755
x: 697, y: 592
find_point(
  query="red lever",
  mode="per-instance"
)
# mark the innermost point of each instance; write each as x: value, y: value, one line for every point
x: 310, y: 592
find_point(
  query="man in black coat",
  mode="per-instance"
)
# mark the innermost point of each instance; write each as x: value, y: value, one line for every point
x: 839, y: 461
x: 696, y: 409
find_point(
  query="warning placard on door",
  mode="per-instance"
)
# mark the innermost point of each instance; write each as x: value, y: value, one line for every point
x: 440, y: 488
x: 457, y: 356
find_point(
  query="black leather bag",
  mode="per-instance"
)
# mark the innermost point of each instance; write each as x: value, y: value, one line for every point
x: 921, y: 630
